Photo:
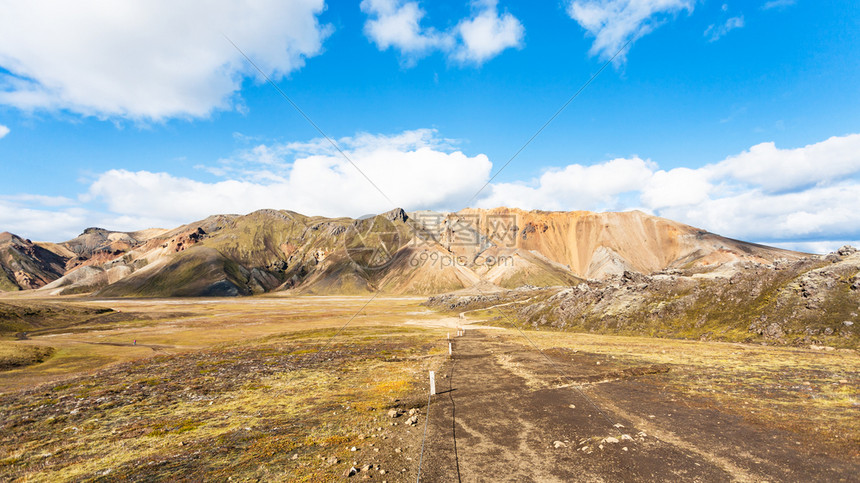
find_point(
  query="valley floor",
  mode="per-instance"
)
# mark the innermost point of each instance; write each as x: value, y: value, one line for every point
x: 271, y: 388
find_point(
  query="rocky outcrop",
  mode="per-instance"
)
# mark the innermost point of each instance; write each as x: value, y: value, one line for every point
x: 808, y: 302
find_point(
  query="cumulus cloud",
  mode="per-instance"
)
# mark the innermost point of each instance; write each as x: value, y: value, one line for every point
x: 3, y: 131
x: 487, y: 34
x: 801, y: 198
x: 716, y: 31
x: 416, y: 169
x: 775, y: 169
x: 575, y: 187
x: 144, y: 59
x: 396, y: 24
x: 765, y: 194
x: 613, y: 23
x: 676, y: 187
x: 26, y: 216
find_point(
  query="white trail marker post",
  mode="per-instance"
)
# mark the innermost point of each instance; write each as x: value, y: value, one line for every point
x: 432, y: 383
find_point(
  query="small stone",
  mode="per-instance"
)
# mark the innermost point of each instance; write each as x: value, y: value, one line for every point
x: 413, y: 411
x: 618, y: 425
x: 559, y: 444
x: 332, y: 460
x: 610, y: 439
x: 352, y: 471
x: 381, y: 472
x: 393, y: 413
x: 295, y: 456
x: 624, y: 448
x: 353, y: 449
x: 651, y: 416
x: 626, y: 437
x: 376, y: 449
x: 398, y: 450
x: 366, y: 468
x: 572, y: 406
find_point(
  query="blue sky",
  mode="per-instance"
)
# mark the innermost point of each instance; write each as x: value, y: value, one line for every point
x: 737, y: 117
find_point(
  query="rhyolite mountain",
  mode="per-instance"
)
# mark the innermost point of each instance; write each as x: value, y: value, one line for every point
x: 395, y: 252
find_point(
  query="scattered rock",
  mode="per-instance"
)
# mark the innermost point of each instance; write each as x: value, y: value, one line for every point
x: 559, y: 444
x: 353, y: 449
x: 846, y: 250
x: 610, y: 440
x: 412, y: 421
x: 332, y: 460
x: 352, y: 471
x: 394, y: 413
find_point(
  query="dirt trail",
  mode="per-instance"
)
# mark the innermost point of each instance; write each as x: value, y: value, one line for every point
x: 504, y: 414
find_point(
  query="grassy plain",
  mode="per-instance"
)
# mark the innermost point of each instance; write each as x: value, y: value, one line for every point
x: 268, y: 388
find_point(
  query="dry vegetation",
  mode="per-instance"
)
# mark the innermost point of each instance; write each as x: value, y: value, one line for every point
x: 239, y: 388
x: 813, y: 393
x: 274, y: 407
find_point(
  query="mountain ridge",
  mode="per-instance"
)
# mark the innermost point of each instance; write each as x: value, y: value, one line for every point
x: 397, y: 252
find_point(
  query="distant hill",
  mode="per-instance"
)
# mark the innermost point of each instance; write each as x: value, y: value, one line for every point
x: 395, y: 252
x: 812, y: 301
x: 26, y: 265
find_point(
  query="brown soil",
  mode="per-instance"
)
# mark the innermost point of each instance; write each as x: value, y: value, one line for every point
x: 504, y: 413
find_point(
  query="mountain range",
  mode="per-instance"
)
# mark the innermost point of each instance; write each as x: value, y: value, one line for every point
x: 394, y: 252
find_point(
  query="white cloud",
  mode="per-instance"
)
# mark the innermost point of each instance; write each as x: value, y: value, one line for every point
x: 613, y: 23
x: 715, y: 32
x: 775, y: 169
x: 38, y: 223
x: 397, y: 24
x: 679, y: 186
x: 487, y: 34
x: 3, y: 131
x: 778, y: 4
x: 148, y: 59
x: 410, y: 168
x: 575, y: 187
x: 801, y: 197
x: 764, y: 194
x: 820, y: 247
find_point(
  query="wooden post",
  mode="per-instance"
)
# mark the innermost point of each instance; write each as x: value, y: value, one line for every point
x: 450, y: 351
x: 432, y: 383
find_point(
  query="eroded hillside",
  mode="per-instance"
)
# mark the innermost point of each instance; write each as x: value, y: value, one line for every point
x: 395, y: 252
x: 812, y: 301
